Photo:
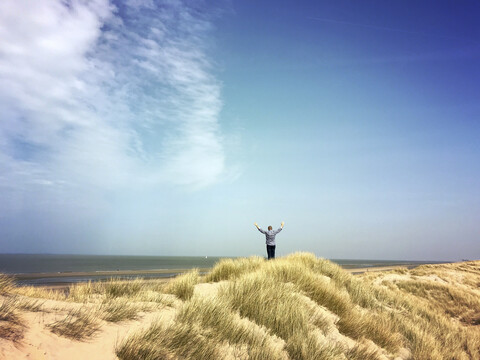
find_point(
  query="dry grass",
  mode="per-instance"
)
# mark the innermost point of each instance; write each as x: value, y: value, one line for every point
x: 39, y: 293
x: 118, y: 310
x: 200, y: 330
x: 461, y: 304
x: 297, y: 307
x: 312, y: 348
x: 6, y: 284
x: 182, y: 341
x: 136, y: 290
x: 220, y: 325
x: 183, y: 285
x: 11, y: 323
x: 284, y: 313
x: 435, y: 308
x: 118, y: 288
x: 31, y: 305
x: 227, y: 269
x: 79, y: 324
x: 112, y: 288
x: 362, y: 352
x: 275, y: 306
x: 373, y: 326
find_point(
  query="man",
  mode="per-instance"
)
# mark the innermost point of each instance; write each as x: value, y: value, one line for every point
x: 270, y: 236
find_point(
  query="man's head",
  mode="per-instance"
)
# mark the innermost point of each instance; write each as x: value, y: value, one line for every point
x: 270, y: 227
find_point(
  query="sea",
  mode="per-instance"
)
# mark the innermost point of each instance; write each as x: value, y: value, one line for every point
x: 41, y: 269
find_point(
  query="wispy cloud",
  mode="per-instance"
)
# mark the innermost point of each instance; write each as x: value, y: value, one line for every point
x: 102, y: 95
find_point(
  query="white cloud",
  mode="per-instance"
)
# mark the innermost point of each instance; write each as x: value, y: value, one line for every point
x: 98, y: 96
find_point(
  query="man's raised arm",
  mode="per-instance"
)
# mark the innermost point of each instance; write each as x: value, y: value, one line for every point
x: 260, y: 229
x: 280, y: 228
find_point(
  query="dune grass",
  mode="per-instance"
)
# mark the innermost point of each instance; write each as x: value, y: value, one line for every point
x: 6, y: 284
x: 39, y: 293
x: 183, y: 285
x: 462, y: 304
x: 227, y: 269
x: 11, y: 324
x: 183, y: 341
x: 362, y: 352
x: 299, y: 301
x: 79, y: 324
x: 296, y: 307
x: 220, y: 324
x: 435, y: 317
x: 117, y: 310
x: 118, y: 288
x: 112, y: 288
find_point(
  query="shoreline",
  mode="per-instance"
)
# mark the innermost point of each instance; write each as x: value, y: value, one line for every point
x: 31, y: 276
x: 63, y: 280
x: 72, y: 278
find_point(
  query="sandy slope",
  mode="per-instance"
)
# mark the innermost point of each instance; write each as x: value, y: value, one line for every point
x: 40, y: 343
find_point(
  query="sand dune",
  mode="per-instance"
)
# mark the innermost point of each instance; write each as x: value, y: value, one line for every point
x: 297, y: 307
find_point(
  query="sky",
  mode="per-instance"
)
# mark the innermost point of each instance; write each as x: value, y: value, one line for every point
x: 142, y: 127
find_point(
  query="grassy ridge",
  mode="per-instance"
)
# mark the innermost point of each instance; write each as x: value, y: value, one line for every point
x: 296, y: 307
x: 294, y: 300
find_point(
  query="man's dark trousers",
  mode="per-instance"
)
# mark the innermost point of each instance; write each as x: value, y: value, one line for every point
x: 271, y: 251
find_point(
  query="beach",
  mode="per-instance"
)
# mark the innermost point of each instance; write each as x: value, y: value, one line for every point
x: 54, y: 270
x: 61, y: 281
x: 110, y: 319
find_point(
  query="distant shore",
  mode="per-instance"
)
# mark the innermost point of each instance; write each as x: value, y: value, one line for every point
x: 61, y: 280
x: 53, y: 270
x: 172, y: 272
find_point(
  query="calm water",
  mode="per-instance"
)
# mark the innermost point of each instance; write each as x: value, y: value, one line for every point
x: 34, y: 263
x: 39, y: 263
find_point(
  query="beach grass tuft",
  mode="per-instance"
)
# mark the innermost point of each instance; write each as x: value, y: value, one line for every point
x: 6, y: 284
x: 463, y: 304
x: 117, y: 288
x: 118, y: 309
x: 29, y: 304
x: 39, y: 293
x: 181, y: 340
x: 227, y: 269
x: 11, y: 324
x: 183, y: 285
x: 79, y: 324
x: 362, y: 352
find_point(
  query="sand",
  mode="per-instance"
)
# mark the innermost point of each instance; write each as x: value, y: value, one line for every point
x: 40, y: 343
x: 373, y: 269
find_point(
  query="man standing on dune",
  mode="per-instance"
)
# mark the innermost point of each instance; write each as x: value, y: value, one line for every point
x: 270, y: 239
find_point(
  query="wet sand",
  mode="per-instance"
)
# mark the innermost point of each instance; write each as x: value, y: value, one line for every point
x: 62, y: 281
x: 163, y: 275
x: 113, y: 273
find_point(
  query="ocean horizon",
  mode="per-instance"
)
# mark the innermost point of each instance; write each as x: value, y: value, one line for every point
x: 51, y: 263
x: 62, y: 264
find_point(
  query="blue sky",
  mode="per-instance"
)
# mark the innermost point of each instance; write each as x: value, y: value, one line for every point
x: 170, y: 127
